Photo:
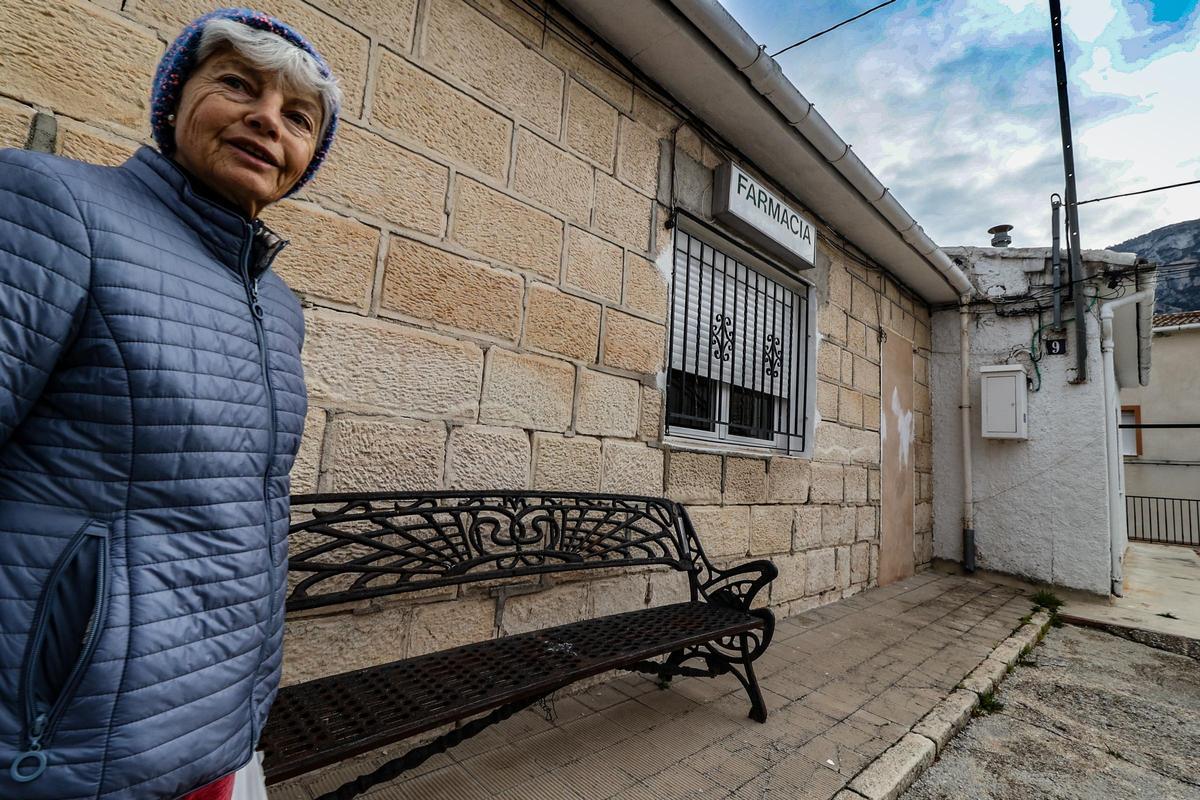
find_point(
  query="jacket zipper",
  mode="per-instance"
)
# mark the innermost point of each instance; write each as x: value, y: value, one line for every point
x: 256, y: 311
x: 41, y: 724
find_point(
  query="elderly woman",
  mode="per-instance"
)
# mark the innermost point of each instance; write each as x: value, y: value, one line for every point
x: 151, y: 404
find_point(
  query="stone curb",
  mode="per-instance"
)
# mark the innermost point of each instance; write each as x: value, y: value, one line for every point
x: 889, y: 775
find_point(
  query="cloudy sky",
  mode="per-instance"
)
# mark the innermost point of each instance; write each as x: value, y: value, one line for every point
x: 952, y: 104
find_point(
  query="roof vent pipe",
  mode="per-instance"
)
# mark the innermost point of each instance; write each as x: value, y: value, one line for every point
x: 1000, y: 237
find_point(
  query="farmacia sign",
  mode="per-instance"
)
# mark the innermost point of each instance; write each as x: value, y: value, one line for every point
x: 744, y: 203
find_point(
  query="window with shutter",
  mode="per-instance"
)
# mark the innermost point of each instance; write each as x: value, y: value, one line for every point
x: 740, y: 343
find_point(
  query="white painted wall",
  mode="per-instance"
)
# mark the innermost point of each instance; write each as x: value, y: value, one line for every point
x: 1041, y: 504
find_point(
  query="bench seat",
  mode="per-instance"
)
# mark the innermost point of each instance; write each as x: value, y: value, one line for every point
x: 323, y: 721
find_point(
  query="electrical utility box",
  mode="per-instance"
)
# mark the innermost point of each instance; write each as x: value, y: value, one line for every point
x: 1005, y: 400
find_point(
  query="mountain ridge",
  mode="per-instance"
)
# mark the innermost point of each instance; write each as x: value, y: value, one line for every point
x: 1178, y: 288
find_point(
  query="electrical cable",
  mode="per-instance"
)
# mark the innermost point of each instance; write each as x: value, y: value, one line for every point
x: 1142, y: 191
x: 833, y: 28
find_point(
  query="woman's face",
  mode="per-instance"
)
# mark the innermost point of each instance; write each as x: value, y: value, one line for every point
x: 245, y: 134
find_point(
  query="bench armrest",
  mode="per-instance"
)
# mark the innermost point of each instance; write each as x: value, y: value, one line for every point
x: 739, y: 585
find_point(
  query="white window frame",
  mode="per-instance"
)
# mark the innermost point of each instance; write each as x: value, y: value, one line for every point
x: 720, y: 438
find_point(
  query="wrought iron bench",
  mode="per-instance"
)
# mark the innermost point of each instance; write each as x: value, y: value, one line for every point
x: 350, y: 547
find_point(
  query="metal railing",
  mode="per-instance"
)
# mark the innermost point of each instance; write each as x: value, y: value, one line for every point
x: 1167, y: 520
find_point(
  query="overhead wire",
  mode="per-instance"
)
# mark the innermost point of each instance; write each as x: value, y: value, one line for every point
x: 831, y: 28
x: 1140, y: 191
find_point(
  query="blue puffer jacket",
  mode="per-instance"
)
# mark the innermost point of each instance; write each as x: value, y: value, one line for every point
x: 151, y: 404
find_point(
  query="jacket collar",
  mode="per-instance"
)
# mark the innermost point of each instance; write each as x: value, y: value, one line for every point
x: 225, y: 232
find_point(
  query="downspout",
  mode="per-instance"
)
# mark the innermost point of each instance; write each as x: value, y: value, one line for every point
x: 1116, y: 488
x: 964, y: 379
x: 767, y: 78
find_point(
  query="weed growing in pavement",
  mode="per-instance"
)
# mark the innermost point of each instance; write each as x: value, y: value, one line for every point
x: 1048, y: 600
x: 989, y: 704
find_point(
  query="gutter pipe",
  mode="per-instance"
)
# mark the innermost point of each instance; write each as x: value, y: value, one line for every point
x: 1191, y: 326
x: 766, y: 76
x: 1116, y: 484
x: 964, y: 378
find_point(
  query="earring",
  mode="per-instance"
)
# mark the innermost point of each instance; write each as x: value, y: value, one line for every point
x: 171, y: 119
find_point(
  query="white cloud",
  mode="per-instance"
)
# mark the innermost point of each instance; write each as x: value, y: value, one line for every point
x: 953, y: 105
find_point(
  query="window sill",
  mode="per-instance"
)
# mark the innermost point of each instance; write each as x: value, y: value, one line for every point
x: 686, y: 443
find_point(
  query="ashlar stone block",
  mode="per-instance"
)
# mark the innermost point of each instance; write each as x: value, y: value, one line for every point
x: 622, y: 213
x: 362, y: 364
x: 633, y: 343
x: 608, y: 404
x: 822, y: 571
x: 632, y: 468
x: 42, y: 43
x: 771, y: 529
x: 528, y: 391
x: 788, y: 480
x: 618, y: 595
x: 856, y: 484
x: 591, y: 126
x: 329, y: 255
x: 860, y: 562
x: 85, y: 143
x: 475, y: 49
x: 837, y: 524
x: 483, y: 457
x: 745, y: 480
x: 638, y: 155
x: 566, y: 463
x: 307, y: 466
x: 562, y: 323
x: 594, y: 264
x: 385, y: 454
x: 367, y: 172
x: 558, y: 605
x: 866, y: 523
x: 646, y: 288
x: 423, y: 109
x: 504, y: 229
x: 793, y: 574
x: 723, y: 530
x: 15, y: 121
x: 807, y: 534
x: 440, y: 626
x: 553, y: 177
x: 427, y: 283
x: 650, y: 424
x: 827, y: 483
x: 693, y: 477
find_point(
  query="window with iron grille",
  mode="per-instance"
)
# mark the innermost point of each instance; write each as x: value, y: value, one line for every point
x: 741, y: 343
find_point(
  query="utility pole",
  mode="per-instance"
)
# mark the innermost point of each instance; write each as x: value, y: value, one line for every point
x: 1073, y: 251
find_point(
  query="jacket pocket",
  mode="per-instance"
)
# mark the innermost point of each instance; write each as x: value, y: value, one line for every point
x: 67, y: 623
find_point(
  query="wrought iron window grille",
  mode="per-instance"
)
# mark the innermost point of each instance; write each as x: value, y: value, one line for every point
x: 740, y: 350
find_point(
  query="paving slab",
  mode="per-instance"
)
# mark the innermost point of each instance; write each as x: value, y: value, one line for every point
x: 844, y: 686
x: 1161, y: 601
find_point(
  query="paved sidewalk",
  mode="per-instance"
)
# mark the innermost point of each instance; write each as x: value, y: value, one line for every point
x: 1161, y: 604
x: 843, y: 683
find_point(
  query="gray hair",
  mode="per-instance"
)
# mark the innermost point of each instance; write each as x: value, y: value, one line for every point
x: 272, y: 53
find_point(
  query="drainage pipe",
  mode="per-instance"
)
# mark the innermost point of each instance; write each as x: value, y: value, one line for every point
x: 1116, y: 485
x: 964, y: 378
x: 1191, y: 326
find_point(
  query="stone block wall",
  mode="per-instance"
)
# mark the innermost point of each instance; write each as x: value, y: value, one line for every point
x: 486, y: 301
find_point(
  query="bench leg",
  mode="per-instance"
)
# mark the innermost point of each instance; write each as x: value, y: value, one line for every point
x: 673, y: 660
x: 758, y: 709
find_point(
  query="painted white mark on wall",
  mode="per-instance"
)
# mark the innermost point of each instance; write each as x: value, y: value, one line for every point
x: 904, y: 426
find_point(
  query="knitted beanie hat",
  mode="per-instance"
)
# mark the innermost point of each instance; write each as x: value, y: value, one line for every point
x: 179, y: 61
